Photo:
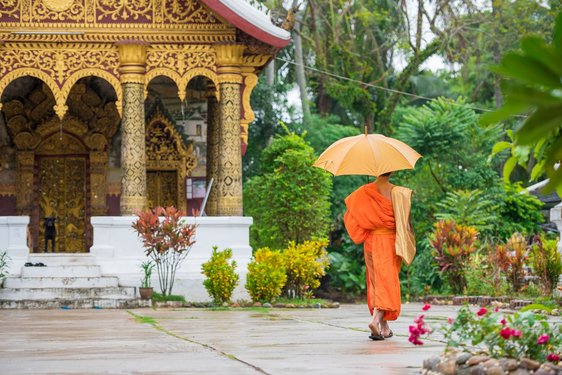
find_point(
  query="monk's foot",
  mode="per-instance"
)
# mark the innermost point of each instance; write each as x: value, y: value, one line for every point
x: 386, y: 331
x: 376, y: 334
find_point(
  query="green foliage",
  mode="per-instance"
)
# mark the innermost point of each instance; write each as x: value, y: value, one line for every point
x: 4, y: 263
x: 484, y: 277
x: 290, y: 201
x: 221, y: 277
x: 519, y: 211
x: 512, y: 336
x: 147, y: 268
x: 546, y: 262
x: 535, y: 81
x: 422, y: 277
x: 305, y: 263
x: 453, y: 243
x: 469, y: 208
x: 157, y: 297
x: 266, y: 275
x: 347, y: 267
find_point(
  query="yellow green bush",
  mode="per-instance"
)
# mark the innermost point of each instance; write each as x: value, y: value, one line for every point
x: 266, y: 275
x: 221, y: 278
x: 305, y: 263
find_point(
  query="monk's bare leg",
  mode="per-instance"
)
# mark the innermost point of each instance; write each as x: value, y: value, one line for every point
x: 386, y: 332
x: 376, y: 322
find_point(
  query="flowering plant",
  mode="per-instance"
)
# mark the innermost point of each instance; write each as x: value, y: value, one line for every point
x: 524, y: 334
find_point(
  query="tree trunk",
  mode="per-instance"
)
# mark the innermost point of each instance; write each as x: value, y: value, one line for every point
x: 299, y: 67
x: 496, y: 14
x: 270, y: 73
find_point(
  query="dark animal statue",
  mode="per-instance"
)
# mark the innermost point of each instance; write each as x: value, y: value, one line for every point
x: 50, y: 233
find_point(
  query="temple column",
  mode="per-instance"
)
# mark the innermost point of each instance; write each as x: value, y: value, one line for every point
x: 229, y: 184
x: 556, y: 218
x: 24, y: 192
x: 132, y: 69
x: 213, y: 138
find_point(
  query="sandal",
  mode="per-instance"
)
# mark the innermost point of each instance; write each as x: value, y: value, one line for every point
x: 390, y: 334
x: 374, y: 337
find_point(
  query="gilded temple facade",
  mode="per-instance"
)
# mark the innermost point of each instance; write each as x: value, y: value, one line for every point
x: 82, y: 134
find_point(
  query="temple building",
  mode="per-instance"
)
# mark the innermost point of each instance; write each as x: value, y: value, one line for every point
x: 108, y: 108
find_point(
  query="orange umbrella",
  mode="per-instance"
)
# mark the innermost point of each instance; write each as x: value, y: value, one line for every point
x: 367, y: 154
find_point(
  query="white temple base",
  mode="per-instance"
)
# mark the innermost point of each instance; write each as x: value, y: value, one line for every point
x: 118, y: 250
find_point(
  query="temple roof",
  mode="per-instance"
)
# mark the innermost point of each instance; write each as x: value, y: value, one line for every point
x: 250, y: 20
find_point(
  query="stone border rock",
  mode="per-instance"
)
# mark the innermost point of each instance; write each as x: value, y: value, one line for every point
x: 479, y: 364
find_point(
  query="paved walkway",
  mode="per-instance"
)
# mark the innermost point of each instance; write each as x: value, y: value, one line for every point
x: 200, y: 341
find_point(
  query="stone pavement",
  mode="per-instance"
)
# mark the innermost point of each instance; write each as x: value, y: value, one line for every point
x: 203, y: 341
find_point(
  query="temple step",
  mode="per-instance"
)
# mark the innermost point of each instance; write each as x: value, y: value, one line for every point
x: 90, y: 303
x: 62, y: 271
x: 60, y: 282
x: 71, y: 281
x: 19, y: 294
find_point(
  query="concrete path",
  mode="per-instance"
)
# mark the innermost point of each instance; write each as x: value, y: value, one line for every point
x: 200, y: 341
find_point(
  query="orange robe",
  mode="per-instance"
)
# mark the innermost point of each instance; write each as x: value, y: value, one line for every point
x: 370, y: 219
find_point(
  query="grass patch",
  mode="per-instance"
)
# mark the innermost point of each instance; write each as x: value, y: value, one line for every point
x: 143, y: 319
x: 157, y: 297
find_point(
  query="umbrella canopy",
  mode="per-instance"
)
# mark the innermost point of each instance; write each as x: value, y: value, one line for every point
x: 367, y: 154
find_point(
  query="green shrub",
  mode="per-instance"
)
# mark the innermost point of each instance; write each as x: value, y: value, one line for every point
x: 484, y: 277
x: 4, y: 262
x: 266, y: 275
x: 546, y: 262
x: 221, y: 278
x: 305, y: 263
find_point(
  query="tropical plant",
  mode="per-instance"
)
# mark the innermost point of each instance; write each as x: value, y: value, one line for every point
x: 535, y: 81
x: 347, y: 267
x: 469, y: 208
x: 546, y: 262
x: 221, y: 278
x: 453, y: 243
x: 4, y: 263
x: 166, y: 240
x: 511, y: 258
x: 484, y: 276
x: 422, y: 277
x: 305, y: 263
x: 266, y: 275
x: 147, y: 268
x: 290, y: 200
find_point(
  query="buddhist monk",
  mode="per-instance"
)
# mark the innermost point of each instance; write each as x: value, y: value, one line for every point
x: 378, y: 215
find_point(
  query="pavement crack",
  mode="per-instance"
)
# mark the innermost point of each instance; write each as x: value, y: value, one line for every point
x: 154, y: 323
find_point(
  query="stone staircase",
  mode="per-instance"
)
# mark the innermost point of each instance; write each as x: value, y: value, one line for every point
x: 67, y: 281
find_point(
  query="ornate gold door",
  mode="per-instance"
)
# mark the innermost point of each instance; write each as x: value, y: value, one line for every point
x: 162, y: 188
x: 62, y: 194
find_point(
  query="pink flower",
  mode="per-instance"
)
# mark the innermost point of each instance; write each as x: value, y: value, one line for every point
x: 419, y: 319
x: 505, y: 333
x: 543, y: 339
x: 516, y: 333
x: 497, y: 309
x: 503, y: 321
x: 553, y: 357
x: 414, y: 330
x: 450, y: 320
x: 426, y: 307
x: 482, y: 311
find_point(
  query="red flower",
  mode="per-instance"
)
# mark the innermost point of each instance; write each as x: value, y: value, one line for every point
x: 503, y: 321
x: 516, y: 333
x: 450, y: 320
x: 505, y: 333
x: 553, y: 357
x: 543, y: 339
x: 482, y: 311
x: 497, y: 309
x: 426, y: 307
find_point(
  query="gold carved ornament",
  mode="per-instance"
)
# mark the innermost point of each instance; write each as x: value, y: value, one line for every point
x: 167, y: 151
x: 60, y: 67
x: 181, y: 64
